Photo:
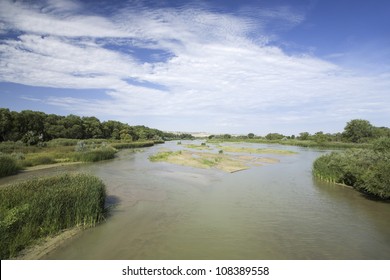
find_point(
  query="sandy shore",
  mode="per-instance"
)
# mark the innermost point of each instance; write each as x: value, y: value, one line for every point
x: 46, y: 166
x: 47, y: 244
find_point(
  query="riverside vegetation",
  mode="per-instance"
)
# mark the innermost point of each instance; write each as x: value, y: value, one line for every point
x: 366, y: 170
x: 362, y: 160
x: 40, y: 207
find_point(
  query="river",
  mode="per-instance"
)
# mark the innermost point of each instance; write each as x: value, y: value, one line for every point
x: 275, y: 211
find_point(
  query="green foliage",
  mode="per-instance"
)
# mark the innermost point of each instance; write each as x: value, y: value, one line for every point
x: 274, y: 136
x: 366, y: 170
x: 382, y: 144
x: 33, y: 127
x: 8, y: 165
x: 40, y: 207
x: 358, y: 131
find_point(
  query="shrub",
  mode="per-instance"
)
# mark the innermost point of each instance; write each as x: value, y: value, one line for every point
x: 363, y: 169
x: 40, y: 207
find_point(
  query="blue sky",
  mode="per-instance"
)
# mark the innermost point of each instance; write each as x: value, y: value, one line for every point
x: 213, y: 66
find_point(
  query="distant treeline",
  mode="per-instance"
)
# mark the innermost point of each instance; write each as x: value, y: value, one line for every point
x: 32, y: 127
x: 355, y: 131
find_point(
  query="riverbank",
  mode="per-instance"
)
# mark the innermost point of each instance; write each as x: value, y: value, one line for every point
x: 365, y: 170
x: 44, y: 246
x: 16, y: 157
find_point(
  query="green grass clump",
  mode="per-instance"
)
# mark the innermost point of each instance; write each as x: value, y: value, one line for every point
x: 366, y: 170
x: 41, y: 207
x: 163, y: 156
x: 95, y: 155
x: 62, y: 142
x: 132, y: 145
x: 37, y: 160
x: 8, y: 165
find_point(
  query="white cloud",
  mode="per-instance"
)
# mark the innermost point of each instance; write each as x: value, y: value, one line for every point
x: 217, y: 72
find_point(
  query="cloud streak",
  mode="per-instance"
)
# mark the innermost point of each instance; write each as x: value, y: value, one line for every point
x: 216, y: 70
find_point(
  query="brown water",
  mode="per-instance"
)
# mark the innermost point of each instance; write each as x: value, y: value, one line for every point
x: 277, y: 211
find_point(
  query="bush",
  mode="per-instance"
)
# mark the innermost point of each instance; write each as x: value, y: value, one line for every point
x: 363, y: 169
x: 8, y: 166
x: 40, y: 207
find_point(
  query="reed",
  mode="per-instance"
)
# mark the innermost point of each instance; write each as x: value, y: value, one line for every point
x: 94, y: 155
x: 132, y: 145
x: 366, y: 170
x: 41, y: 207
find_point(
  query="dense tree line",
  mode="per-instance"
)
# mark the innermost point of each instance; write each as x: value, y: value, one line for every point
x: 33, y: 127
x: 355, y: 131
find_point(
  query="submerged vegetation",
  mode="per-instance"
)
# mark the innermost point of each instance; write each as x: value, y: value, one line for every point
x: 41, y: 207
x: 199, y: 160
x: 366, y: 170
x: 228, y: 162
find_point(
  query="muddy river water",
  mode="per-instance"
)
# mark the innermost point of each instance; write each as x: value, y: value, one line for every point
x: 274, y: 211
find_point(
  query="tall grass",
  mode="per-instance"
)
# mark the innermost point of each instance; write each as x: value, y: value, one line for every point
x: 40, y: 207
x: 8, y: 166
x: 94, y: 155
x: 132, y: 145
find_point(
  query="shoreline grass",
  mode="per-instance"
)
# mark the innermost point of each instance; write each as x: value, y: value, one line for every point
x: 299, y: 143
x: 17, y: 156
x: 8, y: 166
x: 38, y: 208
x: 248, y: 150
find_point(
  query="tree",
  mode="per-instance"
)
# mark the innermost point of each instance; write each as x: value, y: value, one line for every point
x: 358, y: 131
x: 304, y: 136
x: 319, y: 137
x: 251, y: 135
x: 274, y: 136
x: 92, y: 127
x: 5, y: 123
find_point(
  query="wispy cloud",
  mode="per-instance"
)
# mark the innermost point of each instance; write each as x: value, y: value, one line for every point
x: 221, y: 66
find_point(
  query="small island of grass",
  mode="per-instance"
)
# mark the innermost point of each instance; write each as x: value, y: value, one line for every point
x: 224, y: 162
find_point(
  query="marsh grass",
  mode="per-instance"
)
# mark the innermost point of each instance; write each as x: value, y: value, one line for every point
x: 94, y: 155
x: 132, y: 145
x: 198, y: 147
x: 41, y: 207
x: 163, y: 156
x: 8, y: 165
